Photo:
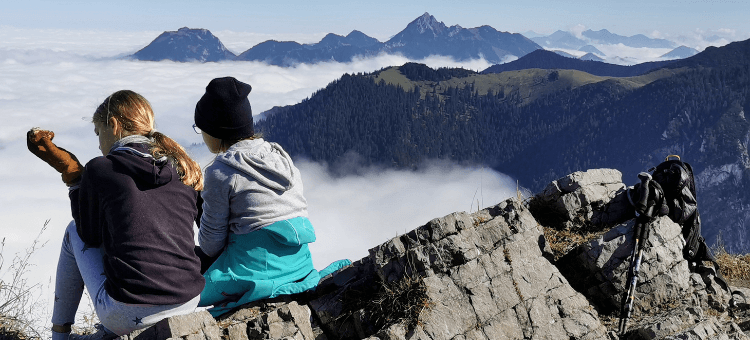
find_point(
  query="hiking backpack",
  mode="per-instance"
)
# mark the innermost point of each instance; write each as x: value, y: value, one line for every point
x: 678, y: 184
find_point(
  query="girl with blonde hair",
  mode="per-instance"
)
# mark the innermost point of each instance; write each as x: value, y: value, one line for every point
x: 131, y: 243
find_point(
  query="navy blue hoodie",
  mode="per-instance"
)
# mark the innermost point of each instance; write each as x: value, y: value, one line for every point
x: 137, y: 208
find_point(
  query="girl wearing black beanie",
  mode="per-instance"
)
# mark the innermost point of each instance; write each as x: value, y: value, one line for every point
x: 254, y: 212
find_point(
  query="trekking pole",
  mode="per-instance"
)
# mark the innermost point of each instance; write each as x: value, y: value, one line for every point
x: 645, y: 206
x: 641, y: 234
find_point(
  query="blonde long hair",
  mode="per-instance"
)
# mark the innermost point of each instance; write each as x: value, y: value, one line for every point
x: 136, y: 117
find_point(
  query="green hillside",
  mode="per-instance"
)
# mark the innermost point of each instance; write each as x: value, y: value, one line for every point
x: 524, y: 85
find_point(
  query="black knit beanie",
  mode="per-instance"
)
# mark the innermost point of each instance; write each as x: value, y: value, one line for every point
x: 224, y: 110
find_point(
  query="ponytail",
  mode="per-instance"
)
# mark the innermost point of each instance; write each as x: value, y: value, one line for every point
x: 188, y: 169
x: 136, y: 117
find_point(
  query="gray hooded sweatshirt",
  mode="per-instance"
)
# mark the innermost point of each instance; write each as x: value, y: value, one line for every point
x: 250, y: 186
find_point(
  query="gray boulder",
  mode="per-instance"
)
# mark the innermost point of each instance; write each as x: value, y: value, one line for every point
x: 481, y: 276
x: 600, y: 267
x: 583, y: 199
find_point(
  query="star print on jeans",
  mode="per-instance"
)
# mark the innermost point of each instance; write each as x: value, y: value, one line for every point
x: 85, y: 248
x: 56, y: 298
x: 138, y: 321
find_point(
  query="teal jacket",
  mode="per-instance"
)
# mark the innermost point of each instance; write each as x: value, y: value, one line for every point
x: 266, y: 263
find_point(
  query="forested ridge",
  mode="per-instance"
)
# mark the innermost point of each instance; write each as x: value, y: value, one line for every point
x: 550, y: 60
x: 696, y: 112
x: 601, y: 124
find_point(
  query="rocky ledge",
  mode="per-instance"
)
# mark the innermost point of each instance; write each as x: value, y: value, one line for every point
x: 552, y: 266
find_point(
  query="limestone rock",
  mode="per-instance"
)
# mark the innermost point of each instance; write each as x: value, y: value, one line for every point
x: 673, y: 328
x: 275, y: 320
x: 483, y: 277
x: 175, y: 327
x: 583, y: 198
x: 600, y: 267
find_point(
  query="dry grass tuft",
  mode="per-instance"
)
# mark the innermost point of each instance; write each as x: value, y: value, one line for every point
x: 20, y: 301
x: 400, y: 301
x: 9, y: 329
x: 735, y: 268
x: 562, y: 242
x: 383, y: 304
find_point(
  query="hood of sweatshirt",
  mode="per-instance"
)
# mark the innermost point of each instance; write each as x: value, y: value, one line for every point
x: 265, y: 162
x: 135, y: 160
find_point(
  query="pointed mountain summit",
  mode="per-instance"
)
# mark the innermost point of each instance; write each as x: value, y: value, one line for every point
x: 185, y: 45
x: 591, y: 49
x: 591, y: 57
x: 681, y: 52
x: 426, y: 36
x: 424, y: 28
x: 359, y: 39
x: 428, y: 24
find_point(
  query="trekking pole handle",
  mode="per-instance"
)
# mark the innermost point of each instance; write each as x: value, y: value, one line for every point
x: 641, y: 204
x: 644, y: 176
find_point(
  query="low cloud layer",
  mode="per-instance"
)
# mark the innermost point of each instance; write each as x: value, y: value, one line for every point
x: 375, y: 205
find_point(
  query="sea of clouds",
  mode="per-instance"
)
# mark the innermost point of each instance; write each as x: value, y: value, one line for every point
x: 55, y: 79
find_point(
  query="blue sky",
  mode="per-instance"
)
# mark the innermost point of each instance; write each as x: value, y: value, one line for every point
x: 380, y: 19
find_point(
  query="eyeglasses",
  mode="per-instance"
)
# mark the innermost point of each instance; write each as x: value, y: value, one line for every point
x: 197, y: 129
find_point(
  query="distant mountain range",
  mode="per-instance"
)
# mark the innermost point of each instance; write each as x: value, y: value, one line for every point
x: 566, y: 40
x: 423, y: 37
x: 537, y: 124
x: 331, y: 48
